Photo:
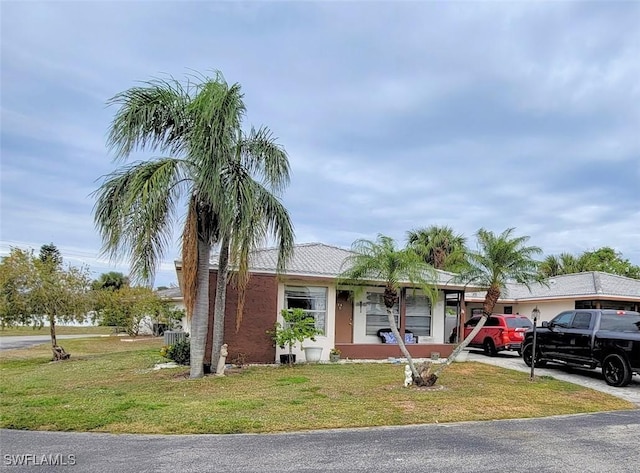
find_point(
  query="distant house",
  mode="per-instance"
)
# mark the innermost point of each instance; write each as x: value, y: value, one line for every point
x: 349, y: 320
x: 586, y: 290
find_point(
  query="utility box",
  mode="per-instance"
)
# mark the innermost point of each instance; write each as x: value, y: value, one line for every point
x: 171, y: 337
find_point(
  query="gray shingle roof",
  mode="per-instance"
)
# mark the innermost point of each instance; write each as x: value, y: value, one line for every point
x: 170, y: 293
x: 314, y: 260
x: 592, y: 283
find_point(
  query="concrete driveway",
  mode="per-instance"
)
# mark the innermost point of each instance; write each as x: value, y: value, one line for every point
x: 583, y: 377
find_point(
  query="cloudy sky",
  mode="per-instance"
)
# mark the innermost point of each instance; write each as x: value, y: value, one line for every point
x: 395, y: 115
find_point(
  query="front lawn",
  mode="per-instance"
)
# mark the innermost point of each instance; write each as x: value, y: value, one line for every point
x: 109, y: 385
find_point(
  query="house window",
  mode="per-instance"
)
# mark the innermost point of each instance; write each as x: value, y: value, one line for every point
x: 313, y: 300
x: 418, y: 315
x: 508, y: 309
x: 377, y: 313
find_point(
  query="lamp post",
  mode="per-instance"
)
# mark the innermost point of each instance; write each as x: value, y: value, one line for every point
x: 535, y: 313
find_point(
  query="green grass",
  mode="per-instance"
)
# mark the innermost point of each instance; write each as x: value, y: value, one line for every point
x: 109, y: 385
x: 60, y: 330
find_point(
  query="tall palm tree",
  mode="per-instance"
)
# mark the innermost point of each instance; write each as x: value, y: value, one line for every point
x: 498, y: 260
x: 199, y: 125
x: 381, y: 260
x: 439, y: 246
x: 253, y: 214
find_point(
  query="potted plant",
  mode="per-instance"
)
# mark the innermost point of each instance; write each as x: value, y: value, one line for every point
x: 298, y: 326
x: 334, y: 355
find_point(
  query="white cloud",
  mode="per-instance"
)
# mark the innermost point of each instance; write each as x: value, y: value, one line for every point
x: 395, y: 115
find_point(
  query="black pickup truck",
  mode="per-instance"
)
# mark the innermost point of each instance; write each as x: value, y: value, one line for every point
x: 591, y: 338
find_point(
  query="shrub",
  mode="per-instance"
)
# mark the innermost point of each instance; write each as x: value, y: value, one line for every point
x: 180, y: 352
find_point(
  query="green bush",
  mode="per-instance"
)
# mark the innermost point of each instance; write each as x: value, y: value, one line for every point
x: 180, y: 352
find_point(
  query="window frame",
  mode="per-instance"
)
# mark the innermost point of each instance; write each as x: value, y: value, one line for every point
x: 319, y: 314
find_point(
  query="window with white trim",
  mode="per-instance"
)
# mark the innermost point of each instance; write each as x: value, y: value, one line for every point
x: 418, y: 315
x: 313, y: 300
x: 377, y: 313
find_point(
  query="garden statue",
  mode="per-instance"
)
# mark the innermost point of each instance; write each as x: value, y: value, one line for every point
x: 408, y: 376
x: 222, y: 360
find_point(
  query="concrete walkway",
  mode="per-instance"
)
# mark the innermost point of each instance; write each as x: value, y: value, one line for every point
x: 583, y: 377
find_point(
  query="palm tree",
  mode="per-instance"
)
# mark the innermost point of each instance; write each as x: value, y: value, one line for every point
x: 252, y: 215
x: 112, y: 280
x: 498, y: 260
x: 381, y: 260
x: 439, y: 246
x: 217, y: 170
x: 557, y: 265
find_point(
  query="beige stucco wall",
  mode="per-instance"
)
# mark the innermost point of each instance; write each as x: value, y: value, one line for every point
x: 327, y: 342
x: 548, y: 309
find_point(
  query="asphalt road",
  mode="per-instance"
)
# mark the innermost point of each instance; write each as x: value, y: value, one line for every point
x: 603, y: 442
x: 23, y: 341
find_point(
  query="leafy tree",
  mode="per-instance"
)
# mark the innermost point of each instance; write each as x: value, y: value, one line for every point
x: 16, y: 275
x: 498, y: 260
x: 604, y: 259
x: 607, y: 260
x: 39, y: 290
x: 439, y: 246
x: 112, y: 281
x: 297, y: 327
x: 128, y: 307
x: 381, y: 260
x: 228, y: 179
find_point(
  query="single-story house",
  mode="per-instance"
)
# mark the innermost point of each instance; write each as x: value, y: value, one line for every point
x: 349, y: 319
x: 588, y: 290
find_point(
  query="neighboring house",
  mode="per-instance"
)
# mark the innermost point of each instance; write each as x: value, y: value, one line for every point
x: 349, y: 321
x: 586, y: 290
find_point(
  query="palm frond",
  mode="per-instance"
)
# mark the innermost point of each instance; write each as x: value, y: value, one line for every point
x: 154, y: 116
x: 134, y: 210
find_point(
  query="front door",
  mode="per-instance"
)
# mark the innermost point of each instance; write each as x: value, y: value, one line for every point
x: 344, y: 317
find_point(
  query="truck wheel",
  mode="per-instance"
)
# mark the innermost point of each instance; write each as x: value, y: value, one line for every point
x: 489, y: 347
x: 527, y: 355
x: 616, y: 370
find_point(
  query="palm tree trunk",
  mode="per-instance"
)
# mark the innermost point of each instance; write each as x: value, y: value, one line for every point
x: 401, y: 345
x: 200, y: 317
x: 220, y: 302
x: 487, y: 308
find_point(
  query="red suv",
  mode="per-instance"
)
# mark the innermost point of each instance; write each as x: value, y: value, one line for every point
x: 500, y: 332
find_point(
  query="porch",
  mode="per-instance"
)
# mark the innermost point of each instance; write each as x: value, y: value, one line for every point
x: 381, y: 351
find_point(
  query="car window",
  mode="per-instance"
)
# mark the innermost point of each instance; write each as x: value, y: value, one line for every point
x: 582, y: 320
x: 518, y: 322
x: 620, y: 322
x: 493, y: 322
x: 472, y: 322
x: 563, y: 319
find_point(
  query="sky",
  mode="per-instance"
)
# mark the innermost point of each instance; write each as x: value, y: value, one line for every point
x: 395, y: 115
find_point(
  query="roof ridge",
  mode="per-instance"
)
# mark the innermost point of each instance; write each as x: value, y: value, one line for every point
x: 597, y: 284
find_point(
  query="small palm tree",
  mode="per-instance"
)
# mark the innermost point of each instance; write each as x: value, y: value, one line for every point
x: 439, y: 246
x: 557, y: 265
x: 498, y: 260
x: 380, y: 260
x: 214, y: 169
